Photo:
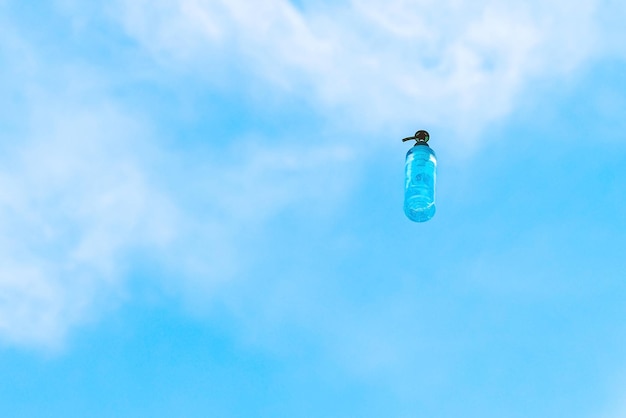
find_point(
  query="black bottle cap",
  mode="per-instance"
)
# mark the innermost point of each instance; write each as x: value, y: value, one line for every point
x: 421, y: 138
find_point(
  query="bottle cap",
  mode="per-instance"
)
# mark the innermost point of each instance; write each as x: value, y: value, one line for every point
x: 420, y: 138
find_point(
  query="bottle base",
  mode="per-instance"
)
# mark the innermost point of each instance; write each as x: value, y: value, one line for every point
x: 419, y: 213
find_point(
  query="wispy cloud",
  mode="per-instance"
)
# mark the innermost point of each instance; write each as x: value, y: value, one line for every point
x: 379, y: 63
x: 85, y: 183
x: 83, y: 188
x: 74, y: 198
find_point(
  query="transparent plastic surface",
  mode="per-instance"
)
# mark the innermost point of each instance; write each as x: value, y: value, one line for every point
x: 419, y: 187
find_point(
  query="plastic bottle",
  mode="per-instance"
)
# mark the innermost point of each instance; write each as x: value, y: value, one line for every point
x: 420, y: 177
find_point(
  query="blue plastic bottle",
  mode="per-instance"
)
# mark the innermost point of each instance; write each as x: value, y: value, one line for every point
x: 420, y: 175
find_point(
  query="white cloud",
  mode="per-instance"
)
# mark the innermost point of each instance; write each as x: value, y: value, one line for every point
x: 81, y: 190
x: 375, y: 63
x: 85, y: 183
x: 73, y: 200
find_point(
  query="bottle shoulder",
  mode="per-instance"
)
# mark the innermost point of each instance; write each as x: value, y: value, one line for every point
x: 421, y: 150
x: 421, y: 153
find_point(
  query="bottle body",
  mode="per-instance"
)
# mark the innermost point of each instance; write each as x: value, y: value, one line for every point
x: 419, y: 188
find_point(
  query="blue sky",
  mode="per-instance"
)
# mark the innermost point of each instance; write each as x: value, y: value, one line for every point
x: 201, y: 209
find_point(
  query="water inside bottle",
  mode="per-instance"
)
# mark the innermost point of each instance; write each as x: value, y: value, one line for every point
x: 419, y: 197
